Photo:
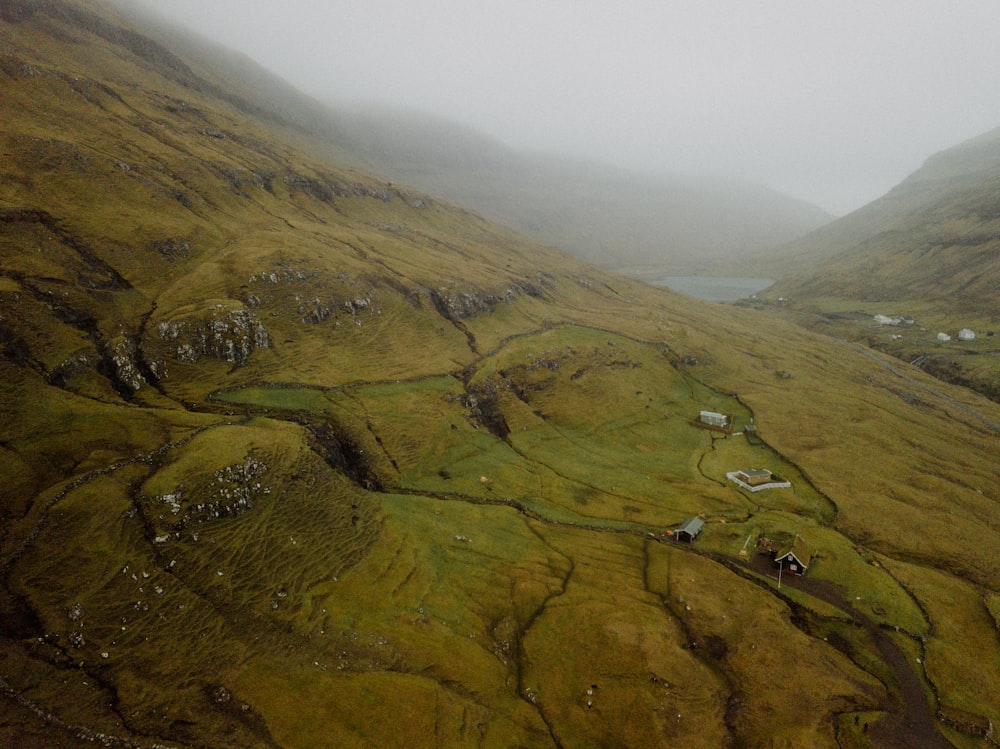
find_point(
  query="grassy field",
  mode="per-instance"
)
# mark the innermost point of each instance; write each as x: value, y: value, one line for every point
x: 293, y: 457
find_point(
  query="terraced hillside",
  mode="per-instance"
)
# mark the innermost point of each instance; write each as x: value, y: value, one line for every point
x: 294, y: 457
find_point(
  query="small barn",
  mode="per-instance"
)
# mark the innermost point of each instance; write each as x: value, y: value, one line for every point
x: 754, y: 476
x: 794, y: 557
x: 688, y: 530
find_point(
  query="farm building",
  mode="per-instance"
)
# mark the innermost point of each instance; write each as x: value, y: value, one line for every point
x: 713, y: 419
x: 754, y: 476
x: 689, y: 529
x: 794, y: 557
x: 757, y: 479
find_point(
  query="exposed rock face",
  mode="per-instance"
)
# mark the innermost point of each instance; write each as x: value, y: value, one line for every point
x: 171, y: 248
x: 231, y: 334
x: 483, y: 406
x: 316, y: 298
x: 123, y: 356
x: 231, y: 491
x: 284, y: 274
x: 316, y: 311
x: 463, y: 305
x: 342, y: 453
x: 325, y: 188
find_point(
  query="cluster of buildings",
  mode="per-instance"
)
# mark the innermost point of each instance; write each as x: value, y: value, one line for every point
x: 792, y: 557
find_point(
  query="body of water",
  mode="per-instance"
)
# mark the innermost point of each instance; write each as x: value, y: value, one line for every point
x: 715, y: 288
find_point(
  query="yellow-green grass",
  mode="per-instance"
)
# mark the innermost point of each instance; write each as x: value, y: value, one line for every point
x: 760, y: 647
x: 280, y: 398
x: 738, y: 453
x: 430, y: 620
x: 963, y: 640
x: 851, y: 733
x: 343, y: 610
x: 54, y: 436
x: 992, y: 601
x: 641, y: 460
x: 860, y: 585
x: 129, y: 625
x: 973, y: 363
x: 606, y: 663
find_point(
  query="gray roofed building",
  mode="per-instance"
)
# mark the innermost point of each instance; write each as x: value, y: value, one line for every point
x: 689, y: 529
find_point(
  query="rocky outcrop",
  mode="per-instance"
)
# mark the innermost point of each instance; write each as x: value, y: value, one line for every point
x: 325, y: 188
x: 123, y: 357
x: 229, y: 334
x: 463, y: 305
x: 316, y: 298
x: 230, y: 492
x: 482, y: 404
x: 171, y: 248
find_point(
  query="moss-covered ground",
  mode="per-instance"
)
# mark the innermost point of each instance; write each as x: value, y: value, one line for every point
x: 295, y: 457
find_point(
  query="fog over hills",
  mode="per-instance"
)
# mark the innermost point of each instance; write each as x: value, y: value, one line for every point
x: 644, y: 224
x: 295, y: 455
x: 936, y: 235
x: 831, y: 104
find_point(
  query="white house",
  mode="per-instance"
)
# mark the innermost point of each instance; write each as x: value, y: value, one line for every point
x: 713, y: 419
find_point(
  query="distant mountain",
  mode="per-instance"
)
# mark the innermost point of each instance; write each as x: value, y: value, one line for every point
x: 293, y: 457
x: 934, y: 237
x: 643, y: 224
x: 929, y: 251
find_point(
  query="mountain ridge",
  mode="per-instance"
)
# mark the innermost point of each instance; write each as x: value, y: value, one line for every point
x: 647, y: 225
x: 294, y: 456
x: 927, y: 252
x: 951, y: 199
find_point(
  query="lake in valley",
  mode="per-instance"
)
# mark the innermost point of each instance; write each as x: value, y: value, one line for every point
x: 715, y: 288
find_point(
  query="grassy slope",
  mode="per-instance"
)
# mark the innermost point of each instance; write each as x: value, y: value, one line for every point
x: 928, y: 250
x: 930, y: 235
x: 443, y: 466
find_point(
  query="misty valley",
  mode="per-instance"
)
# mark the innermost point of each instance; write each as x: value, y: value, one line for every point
x: 715, y: 288
x: 332, y: 427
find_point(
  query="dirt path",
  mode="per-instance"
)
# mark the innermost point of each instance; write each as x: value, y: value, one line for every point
x: 909, y: 725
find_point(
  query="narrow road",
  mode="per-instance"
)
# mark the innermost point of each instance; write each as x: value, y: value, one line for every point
x: 910, y: 725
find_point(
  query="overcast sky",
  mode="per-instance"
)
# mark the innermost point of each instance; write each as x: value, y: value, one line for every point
x: 831, y: 101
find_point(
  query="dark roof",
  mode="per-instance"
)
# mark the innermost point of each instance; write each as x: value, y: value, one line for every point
x: 798, y: 549
x: 692, y: 526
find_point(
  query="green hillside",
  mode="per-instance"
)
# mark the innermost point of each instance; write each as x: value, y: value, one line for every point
x: 295, y: 457
x: 933, y: 236
x: 928, y: 250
